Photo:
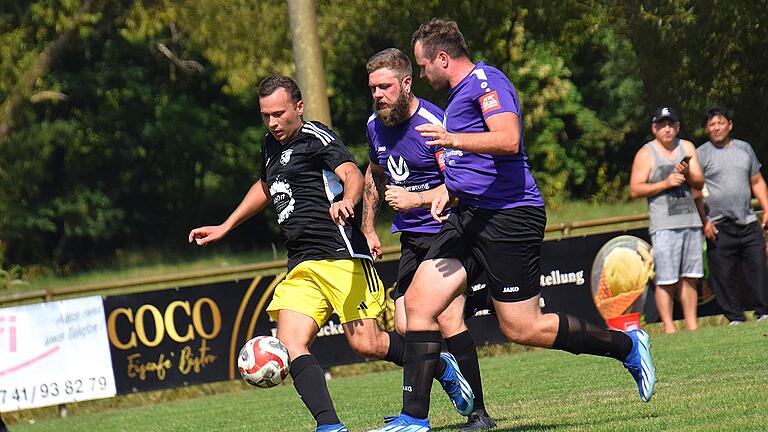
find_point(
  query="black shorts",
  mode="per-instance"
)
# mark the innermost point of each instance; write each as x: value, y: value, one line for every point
x: 413, y: 248
x: 505, y: 243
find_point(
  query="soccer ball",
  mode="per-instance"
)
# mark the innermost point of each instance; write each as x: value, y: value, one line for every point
x: 263, y: 362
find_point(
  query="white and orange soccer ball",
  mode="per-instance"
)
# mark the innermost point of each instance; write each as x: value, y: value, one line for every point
x: 263, y: 362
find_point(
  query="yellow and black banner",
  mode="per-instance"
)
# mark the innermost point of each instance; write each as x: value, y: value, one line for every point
x: 184, y: 336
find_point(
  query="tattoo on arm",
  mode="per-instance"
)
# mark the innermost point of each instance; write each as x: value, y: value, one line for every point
x: 373, y: 192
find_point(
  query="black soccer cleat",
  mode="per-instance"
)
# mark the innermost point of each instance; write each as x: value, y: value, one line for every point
x: 479, y: 420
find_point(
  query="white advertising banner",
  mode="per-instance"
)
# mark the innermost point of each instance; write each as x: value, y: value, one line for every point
x: 54, y: 353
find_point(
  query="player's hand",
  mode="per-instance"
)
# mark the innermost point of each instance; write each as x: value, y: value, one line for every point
x: 710, y: 231
x: 341, y: 211
x: 681, y: 168
x: 374, y: 245
x: 400, y: 199
x: 674, y: 180
x: 439, y: 203
x: 207, y: 234
x: 437, y: 135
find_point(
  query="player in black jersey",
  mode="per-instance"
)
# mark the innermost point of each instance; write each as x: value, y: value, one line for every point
x: 314, y: 185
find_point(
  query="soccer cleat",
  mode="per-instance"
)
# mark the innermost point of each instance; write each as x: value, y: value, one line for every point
x: 763, y: 317
x: 479, y: 420
x: 338, y: 427
x: 456, y: 385
x: 735, y: 323
x: 640, y: 365
x: 405, y: 423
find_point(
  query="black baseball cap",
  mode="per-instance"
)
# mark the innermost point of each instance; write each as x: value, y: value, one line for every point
x: 664, y: 113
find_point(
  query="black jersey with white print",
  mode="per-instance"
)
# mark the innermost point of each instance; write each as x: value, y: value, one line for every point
x: 303, y: 185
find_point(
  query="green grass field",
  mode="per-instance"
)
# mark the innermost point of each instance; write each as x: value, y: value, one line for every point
x: 714, y: 379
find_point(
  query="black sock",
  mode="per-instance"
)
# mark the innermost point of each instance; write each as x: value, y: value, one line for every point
x: 396, y: 352
x: 309, y: 381
x: 396, y: 349
x: 580, y: 337
x: 440, y: 367
x: 422, y: 353
x: 463, y: 348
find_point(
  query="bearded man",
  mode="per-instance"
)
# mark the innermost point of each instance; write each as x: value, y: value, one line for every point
x: 407, y: 173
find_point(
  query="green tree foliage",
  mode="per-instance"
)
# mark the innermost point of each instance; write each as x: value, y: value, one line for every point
x: 131, y: 155
x: 697, y: 53
x: 128, y: 122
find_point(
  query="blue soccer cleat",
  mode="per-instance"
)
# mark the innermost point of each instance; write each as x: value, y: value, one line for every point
x: 640, y: 365
x: 456, y: 385
x: 405, y: 423
x: 338, y: 427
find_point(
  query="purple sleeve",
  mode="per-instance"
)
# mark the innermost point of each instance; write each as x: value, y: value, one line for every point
x: 498, y: 97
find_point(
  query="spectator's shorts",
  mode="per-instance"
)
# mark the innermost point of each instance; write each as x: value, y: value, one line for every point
x: 677, y: 253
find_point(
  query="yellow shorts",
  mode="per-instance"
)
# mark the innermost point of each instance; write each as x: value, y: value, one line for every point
x: 351, y: 287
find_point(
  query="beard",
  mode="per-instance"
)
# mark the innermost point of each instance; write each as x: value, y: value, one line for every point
x: 397, y: 112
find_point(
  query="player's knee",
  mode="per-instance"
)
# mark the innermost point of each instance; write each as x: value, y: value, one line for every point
x: 295, y: 349
x: 519, y: 334
x: 367, y: 347
x: 415, y: 313
x: 451, y: 325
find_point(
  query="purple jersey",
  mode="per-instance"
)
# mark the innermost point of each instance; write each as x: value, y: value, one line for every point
x: 483, y: 180
x: 408, y: 162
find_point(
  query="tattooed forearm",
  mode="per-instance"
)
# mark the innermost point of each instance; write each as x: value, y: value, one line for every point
x: 372, y: 193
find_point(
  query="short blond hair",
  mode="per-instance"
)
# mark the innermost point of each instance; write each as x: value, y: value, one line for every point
x: 392, y: 59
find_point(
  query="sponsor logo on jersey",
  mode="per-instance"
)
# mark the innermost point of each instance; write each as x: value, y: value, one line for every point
x: 490, y: 102
x: 511, y: 289
x: 285, y: 156
x: 282, y: 198
x: 398, y: 169
x: 450, y: 156
x: 417, y: 188
x: 440, y: 158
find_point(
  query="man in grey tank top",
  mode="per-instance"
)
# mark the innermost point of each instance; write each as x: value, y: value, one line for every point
x: 734, y: 235
x: 664, y: 171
